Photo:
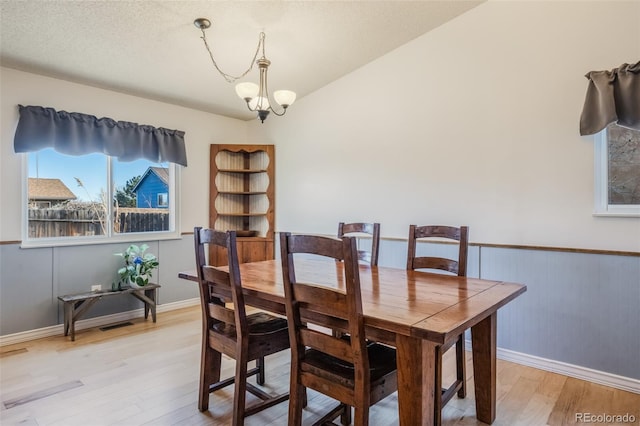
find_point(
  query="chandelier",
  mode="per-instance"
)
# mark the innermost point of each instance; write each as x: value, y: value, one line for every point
x: 255, y: 95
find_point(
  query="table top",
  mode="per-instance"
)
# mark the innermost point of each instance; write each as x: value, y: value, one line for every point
x: 426, y: 305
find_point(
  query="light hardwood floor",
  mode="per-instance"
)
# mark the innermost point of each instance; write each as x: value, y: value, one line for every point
x: 147, y: 374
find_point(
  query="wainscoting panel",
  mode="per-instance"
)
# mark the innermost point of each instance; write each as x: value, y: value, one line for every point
x: 581, y: 309
x: 177, y: 256
x: 26, y: 294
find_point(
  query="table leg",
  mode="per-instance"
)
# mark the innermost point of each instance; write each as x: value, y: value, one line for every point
x: 483, y: 341
x: 416, y: 360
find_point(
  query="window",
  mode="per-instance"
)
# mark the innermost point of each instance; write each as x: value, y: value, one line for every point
x: 95, y: 197
x: 163, y: 199
x: 617, y: 172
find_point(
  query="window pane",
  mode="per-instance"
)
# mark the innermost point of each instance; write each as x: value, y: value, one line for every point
x: 141, y: 196
x: 623, y: 166
x: 67, y: 195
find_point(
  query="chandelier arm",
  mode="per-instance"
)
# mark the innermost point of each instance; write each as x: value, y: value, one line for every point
x: 284, y: 110
x: 268, y: 96
x: 230, y: 78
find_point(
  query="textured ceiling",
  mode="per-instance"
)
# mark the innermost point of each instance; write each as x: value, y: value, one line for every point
x: 152, y: 49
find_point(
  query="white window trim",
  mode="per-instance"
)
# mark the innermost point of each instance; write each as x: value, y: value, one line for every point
x: 131, y: 237
x: 601, y: 183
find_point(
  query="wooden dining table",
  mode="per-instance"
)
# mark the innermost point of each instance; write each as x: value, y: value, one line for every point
x: 415, y: 312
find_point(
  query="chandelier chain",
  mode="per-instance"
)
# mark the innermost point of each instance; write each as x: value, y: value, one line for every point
x: 230, y: 78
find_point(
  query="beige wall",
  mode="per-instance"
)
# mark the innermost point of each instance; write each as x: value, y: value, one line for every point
x: 201, y: 129
x: 500, y: 88
x: 473, y: 123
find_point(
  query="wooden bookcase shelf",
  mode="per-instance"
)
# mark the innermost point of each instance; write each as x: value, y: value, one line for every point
x: 243, y: 171
x: 242, y: 195
x: 242, y: 192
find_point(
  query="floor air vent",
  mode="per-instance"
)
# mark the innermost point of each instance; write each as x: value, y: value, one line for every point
x: 111, y: 327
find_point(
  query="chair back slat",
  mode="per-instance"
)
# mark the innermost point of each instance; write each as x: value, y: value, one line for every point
x: 215, y: 275
x: 361, y: 227
x: 221, y: 313
x: 327, y: 247
x: 429, y: 231
x: 364, y: 256
x: 339, y: 348
x: 333, y: 302
x: 436, y: 263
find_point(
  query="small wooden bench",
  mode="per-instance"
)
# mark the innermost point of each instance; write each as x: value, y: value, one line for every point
x: 76, y: 305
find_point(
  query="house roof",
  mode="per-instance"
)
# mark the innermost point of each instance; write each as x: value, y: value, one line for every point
x: 49, y: 189
x: 161, y: 172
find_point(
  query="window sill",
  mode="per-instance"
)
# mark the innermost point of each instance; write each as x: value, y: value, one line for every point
x: 86, y: 241
x: 617, y: 214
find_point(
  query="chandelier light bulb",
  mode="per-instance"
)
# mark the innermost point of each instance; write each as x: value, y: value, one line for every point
x: 247, y: 90
x: 284, y: 97
x: 259, y: 103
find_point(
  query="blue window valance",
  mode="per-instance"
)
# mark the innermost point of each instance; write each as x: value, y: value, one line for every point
x: 73, y: 133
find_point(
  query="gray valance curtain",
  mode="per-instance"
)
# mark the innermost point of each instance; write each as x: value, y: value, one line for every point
x: 73, y: 133
x: 612, y: 97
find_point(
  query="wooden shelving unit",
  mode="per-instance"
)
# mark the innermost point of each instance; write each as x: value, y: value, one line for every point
x: 242, y: 196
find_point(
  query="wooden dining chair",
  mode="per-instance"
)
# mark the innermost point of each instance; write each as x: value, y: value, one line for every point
x: 373, y: 229
x: 459, y: 236
x: 232, y: 332
x: 350, y: 369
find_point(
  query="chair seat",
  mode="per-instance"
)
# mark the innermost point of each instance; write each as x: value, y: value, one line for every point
x: 259, y: 323
x: 267, y: 335
x: 382, y: 361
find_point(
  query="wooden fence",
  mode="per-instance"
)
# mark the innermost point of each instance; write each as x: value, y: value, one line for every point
x: 51, y: 223
x: 139, y: 220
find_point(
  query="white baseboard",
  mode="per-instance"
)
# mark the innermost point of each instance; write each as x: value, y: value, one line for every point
x: 600, y: 377
x: 58, y: 330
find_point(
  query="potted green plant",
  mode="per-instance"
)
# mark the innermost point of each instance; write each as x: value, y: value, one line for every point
x: 138, y: 266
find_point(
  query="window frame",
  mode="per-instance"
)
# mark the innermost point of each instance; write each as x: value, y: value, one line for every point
x: 601, y: 182
x: 174, y: 220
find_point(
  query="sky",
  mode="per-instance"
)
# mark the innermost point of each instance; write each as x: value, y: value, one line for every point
x: 90, y: 169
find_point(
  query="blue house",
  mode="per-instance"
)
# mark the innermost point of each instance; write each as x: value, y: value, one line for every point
x: 152, y: 191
